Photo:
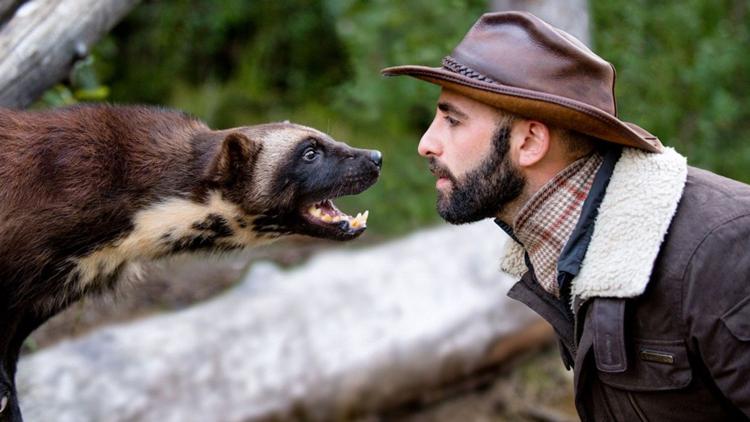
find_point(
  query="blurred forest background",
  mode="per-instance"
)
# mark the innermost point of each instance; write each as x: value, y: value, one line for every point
x: 682, y: 73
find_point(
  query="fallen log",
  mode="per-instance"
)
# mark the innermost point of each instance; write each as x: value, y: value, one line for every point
x: 350, y: 332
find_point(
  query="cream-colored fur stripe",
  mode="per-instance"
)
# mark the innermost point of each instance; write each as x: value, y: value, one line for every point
x: 172, y: 216
x: 637, y: 209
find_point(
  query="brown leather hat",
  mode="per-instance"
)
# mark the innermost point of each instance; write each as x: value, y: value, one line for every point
x: 519, y: 63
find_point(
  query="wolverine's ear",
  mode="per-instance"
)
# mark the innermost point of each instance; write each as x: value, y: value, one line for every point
x: 234, y: 158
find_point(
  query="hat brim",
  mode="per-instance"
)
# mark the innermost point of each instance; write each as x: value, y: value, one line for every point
x: 552, y: 109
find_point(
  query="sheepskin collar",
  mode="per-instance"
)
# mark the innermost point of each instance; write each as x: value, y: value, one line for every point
x: 639, y: 203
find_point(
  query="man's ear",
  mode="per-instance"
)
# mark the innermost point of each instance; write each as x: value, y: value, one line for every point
x: 535, y: 142
x: 234, y: 157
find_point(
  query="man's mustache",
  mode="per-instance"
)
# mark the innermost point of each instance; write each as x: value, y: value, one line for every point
x: 440, y: 170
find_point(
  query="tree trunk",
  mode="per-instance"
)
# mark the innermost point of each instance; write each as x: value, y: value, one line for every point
x: 42, y: 39
x: 571, y: 16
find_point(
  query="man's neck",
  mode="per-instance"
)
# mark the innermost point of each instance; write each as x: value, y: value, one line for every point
x: 536, y: 179
x: 509, y: 212
x: 546, y: 221
x: 534, y: 182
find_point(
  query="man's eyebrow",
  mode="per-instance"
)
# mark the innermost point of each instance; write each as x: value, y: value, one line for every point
x: 451, y: 109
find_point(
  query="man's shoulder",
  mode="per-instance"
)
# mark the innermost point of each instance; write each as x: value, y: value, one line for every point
x: 710, y: 200
x: 700, y: 180
x: 710, y: 204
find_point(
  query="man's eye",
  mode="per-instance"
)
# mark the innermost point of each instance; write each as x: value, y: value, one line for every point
x: 451, y: 121
x: 310, y: 154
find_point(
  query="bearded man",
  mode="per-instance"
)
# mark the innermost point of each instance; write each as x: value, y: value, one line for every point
x: 638, y: 261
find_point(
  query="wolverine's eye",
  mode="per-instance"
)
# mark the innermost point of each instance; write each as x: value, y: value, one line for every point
x: 310, y: 154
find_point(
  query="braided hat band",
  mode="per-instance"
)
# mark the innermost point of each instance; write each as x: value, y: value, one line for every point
x: 451, y: 64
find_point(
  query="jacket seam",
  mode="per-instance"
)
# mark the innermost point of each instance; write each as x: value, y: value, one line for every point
x: 708, y: 234
x: 689, y: 264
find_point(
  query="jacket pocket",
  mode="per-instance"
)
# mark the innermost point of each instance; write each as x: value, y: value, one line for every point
x: 737, y: 320
x: 655, y: 365
x: 657, y: 374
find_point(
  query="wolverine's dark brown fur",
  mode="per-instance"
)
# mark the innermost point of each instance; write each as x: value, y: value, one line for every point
x: 79, y: 183
x: 74, y: 177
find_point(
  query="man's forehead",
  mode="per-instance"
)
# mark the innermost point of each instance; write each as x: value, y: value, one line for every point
x: 450, y: 95
x: 454, y: 103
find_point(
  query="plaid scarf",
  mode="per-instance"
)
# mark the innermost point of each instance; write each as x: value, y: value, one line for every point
x: 546, y: 221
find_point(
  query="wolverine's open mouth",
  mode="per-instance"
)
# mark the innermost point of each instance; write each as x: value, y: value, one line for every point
x: 342, y: 171
x: 326, y: 216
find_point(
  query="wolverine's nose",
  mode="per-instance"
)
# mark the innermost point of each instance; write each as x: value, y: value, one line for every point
x: 376, y: 157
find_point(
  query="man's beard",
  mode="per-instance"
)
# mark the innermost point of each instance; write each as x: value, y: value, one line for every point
x: 484, y: 191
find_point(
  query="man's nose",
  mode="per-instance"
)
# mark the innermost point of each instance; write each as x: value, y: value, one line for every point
x: 429, y: 145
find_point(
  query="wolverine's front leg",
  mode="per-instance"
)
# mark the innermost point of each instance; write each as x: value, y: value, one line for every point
x: 9, y: 410
x: 15, y: 327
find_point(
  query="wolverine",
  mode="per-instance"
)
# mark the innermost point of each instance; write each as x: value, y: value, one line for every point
x: 88, y: 192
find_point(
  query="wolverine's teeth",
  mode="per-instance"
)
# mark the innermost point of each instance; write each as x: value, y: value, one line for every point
x: 360, y: 220
x: 314, y: 211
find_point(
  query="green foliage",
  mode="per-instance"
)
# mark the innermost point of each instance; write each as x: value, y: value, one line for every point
x: 83, y: 85
x: 683, y: 74
x: 262, y: 53
x: 385, y: 33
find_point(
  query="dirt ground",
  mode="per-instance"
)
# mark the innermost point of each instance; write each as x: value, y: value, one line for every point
x: 533, y: 386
